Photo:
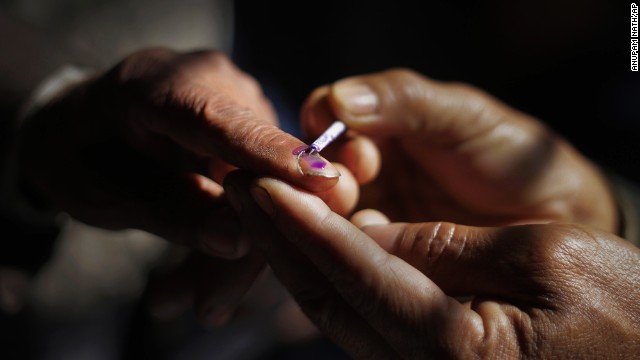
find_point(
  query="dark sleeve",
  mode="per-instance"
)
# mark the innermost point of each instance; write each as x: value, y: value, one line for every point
x: 26, y: 237
x: 25, y: 243
x: 28, y: 221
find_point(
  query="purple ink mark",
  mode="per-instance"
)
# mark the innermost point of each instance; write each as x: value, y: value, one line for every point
x: 316, y: 162
x: 309, y: 160
x: 313, y: 160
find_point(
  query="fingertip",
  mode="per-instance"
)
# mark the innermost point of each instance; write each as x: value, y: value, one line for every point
x: 386, y: 235
x: 281, y: 196
x: 355, y: 98
x: 343, y: 197
x: 314, y: 165
x: 369, y: 217
x: 270, y: 185
x: 362, y: 157
x: 357, y: 102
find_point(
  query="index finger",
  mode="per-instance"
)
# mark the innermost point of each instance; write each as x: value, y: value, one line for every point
x: 219, y: 126
x: 386, y: 291
x: 205, y: 104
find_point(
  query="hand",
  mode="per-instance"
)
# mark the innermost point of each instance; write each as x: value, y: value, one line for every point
x: 215, y: 288
x: 452, y: 152
x: 147, y: 144
x: 387, y: 291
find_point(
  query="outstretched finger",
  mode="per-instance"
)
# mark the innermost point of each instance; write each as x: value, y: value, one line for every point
x: 202, y: 110
x: 385, y: 290
x: 316, y: 296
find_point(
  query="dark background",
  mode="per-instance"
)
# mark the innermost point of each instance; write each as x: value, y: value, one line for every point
x: 565, y: 62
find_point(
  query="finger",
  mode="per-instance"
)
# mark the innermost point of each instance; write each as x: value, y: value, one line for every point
x: 368, y: 217
x: 238, y: 137
x: 382, y: 288
x: 222, y: 285
x: 359, y: 154
x: 218, y: 169
x: 324, y: 306
x: 193, y: 212
x: 187, y: 209
x: 343, y: 197
x: 316, y: 296
x: 455, y: 133
x: 403, y: 103
x: 207, y: 119
x: 441, y: 123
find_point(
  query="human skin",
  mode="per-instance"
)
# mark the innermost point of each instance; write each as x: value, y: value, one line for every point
x: 390, y: 290
x: 452, y: 152
x: 147, y: 143
x: 433, y: 151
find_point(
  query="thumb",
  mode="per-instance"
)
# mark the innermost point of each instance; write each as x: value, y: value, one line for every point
x: 402, y: 103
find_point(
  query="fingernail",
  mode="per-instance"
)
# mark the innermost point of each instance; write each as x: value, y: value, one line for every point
x: 262, y: 197
x: 315, y: 165
x: 357, y: 99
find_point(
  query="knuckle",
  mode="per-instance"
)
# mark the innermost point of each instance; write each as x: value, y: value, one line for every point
x: 250, y: 85
x: 433, y: 241
x: 403, y: 74
x: 410, y: 84
x: 241, y: 128
x: 254, y: 134
x: 476, y: 99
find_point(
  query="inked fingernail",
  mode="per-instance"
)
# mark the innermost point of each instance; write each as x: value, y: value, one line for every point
x: 357, y: 99
x: 312, y: 164
x: 262, y: 197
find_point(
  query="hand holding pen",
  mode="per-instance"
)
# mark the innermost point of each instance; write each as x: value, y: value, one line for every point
x: 441, y: 151
x: 384, y: 290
